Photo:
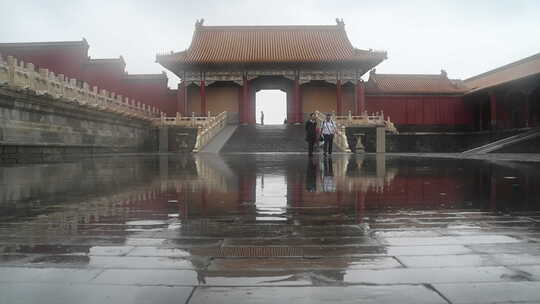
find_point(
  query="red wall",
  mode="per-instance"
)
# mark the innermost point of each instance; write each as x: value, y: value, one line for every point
x: 106, y: 76
x: 421, y: 110
x: 73, y: 61
x: 153, y: 92
x: 66, y: 60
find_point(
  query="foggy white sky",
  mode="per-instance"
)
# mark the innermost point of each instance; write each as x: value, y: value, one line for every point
x: 465, y: 37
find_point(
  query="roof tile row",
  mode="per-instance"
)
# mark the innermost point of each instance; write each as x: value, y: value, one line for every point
x: 271, y: 44
x: 412, y: 84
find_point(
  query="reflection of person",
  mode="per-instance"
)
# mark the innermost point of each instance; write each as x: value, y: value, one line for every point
x: 311, y: 176
x: 262, y: 118
x: 311, y: 133
x: 328, y: 184
x: 353, y: 168
x: 320, y: 140
x: 328, y: 128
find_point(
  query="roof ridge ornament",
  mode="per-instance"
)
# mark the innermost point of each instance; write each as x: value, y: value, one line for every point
x: 199, y: 23
x: 443, y: 73
x: 339, y: 22
x: 372, y: 76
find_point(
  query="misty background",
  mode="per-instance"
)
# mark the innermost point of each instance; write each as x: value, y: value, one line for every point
x: 465, y: 38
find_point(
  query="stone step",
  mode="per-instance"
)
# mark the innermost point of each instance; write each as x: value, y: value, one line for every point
x: 272, y: 138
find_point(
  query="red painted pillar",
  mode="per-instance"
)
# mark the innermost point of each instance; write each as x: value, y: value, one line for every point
x: 251, y: 106
x: 526, y: 114
x: 247, y: 189
x: 300, y: 111
x: 294, y: 191
x: 339, y: 102
x: 240, y: 104
x: 204, y: 200
x: 360, y: 205
x: 245, y: 97
x: 480, y: 116
x: 493, y: 192
x: 245, y: 102
x: 297, y: 106
x: 181, y: 98
x: 360, y: 97
x: 204, y: 109
x: 493, y: 109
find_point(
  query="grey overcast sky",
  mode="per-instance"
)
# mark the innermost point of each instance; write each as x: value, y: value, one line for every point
x: 463, y: 37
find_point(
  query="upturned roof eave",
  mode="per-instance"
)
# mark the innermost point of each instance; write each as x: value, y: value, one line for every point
x: 363, y: 64
x: 413, y: 93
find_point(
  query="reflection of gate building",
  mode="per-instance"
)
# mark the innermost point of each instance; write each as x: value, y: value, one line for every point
x: 219, y: 186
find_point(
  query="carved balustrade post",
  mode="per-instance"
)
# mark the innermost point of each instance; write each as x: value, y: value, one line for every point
x: 11, y: 61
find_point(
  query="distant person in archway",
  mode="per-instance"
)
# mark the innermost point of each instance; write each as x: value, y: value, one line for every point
x: 311, y: 133
x: 328, y: 129
x: 262, y: 118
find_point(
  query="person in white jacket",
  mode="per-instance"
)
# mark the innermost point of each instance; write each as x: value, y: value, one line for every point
x: 328, y: 129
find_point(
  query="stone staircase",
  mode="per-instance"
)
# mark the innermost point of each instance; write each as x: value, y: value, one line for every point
x: 269, y: 138
x: 505, y: 142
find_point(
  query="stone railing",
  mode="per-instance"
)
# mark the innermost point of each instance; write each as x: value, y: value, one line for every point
x: 366, y: 120
x: 207, y: 127
x: 340, y: 137
x: 206, y: 132
x: 185, y: 121
x: 19, y: 75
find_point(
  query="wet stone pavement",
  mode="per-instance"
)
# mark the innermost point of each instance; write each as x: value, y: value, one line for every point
x: 269, y: 228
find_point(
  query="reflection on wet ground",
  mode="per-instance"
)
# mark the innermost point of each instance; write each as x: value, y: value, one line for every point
x: 255, y: 228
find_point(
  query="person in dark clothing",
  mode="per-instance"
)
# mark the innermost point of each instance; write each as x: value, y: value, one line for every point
x: 311, y: 133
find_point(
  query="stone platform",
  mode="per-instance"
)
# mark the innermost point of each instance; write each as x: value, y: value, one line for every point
x: 41, y: 128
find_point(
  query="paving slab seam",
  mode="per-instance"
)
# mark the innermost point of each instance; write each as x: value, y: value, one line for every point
x: 523, y: 275
x: 400, y: 262
x: 85, y: 267
x: 236, y: 286
x: 190, y: 295
x: 453, y: 254
x: 301, y: 269
x: 97, y: 275
x: 337, y: 284
x: 91, y: 283
x: 431, y: 287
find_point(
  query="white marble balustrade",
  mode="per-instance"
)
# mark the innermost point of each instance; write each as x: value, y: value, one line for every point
x: 18, y: 75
